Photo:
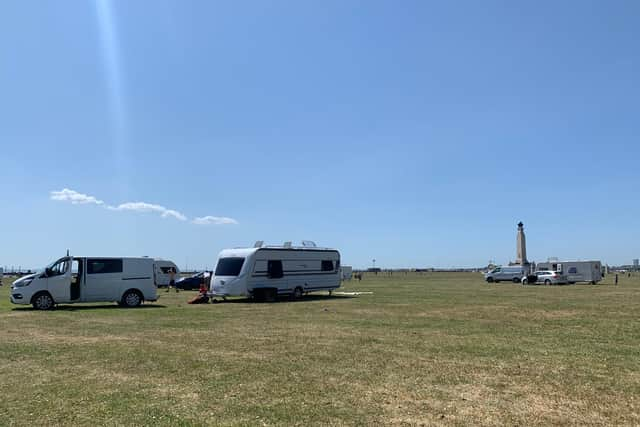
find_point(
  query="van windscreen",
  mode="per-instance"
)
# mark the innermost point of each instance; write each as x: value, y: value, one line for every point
x: 229, y: 266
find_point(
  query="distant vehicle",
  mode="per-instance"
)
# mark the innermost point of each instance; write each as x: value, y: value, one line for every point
x: 346, y: 272
x: 162, y: 267
x: 576, y: 271
x: 191, y: 282
x: 1, y: 275
x: 127, y: 281
x: 513, y: 273
x: 265, y: 272
x: 545, y: 277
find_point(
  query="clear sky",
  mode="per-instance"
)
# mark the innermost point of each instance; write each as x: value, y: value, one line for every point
x: 417, y: 133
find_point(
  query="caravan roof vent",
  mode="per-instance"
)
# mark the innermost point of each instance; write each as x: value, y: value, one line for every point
x: 287, y: 244
x: 258, y: 244
x: 308, y: 244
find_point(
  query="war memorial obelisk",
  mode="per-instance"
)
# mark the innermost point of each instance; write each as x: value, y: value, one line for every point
x: 521, y: 248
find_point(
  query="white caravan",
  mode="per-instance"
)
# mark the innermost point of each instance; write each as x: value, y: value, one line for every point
x: 162, y: 267
x: 576, y: 271
x: 264, y: 272
x: 127, y: 281
x: 346, y: 272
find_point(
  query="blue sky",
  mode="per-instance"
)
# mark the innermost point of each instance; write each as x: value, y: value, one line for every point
x: 417, y: 133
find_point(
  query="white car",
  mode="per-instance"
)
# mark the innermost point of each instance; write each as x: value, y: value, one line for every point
x: 545, y: 277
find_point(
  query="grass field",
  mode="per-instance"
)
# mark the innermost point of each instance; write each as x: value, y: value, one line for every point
x: 436, y: 348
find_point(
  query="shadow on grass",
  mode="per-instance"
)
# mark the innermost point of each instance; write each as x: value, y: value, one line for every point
x: 92, y: 307
x: 284, y: 299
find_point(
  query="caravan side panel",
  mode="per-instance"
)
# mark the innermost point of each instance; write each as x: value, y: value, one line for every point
x: 311, y: 270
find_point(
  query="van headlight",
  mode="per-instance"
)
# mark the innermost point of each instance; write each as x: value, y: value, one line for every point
x: 23, y: 283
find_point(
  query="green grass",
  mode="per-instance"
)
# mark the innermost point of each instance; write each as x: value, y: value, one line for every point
x: 436, y: 348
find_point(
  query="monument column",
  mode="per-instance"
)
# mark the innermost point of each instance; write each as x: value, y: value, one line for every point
x: 521, y: 246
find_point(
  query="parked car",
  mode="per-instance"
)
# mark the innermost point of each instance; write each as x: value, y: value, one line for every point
x: 545, y: 277
x: 191, y: 282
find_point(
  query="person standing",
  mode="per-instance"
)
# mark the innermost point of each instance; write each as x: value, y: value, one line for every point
x: 172, y: 279
x: 616, y: 279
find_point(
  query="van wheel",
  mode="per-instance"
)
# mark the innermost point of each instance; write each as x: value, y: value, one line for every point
x: 525, y: 281
x: 490, y: 280
x: 42, y: 301
x: 516, y: 280
x: 131, y: 299
x: 297, y: 293
x: 547, y: 282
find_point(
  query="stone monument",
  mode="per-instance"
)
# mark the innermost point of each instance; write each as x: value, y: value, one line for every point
x: 521, y: 246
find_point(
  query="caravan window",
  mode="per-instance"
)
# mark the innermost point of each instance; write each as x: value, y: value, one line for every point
x: 104, y: 266
x: 327, y: 266
x: 274, y: 269
x: 229, y: 266
x: 573, y: 270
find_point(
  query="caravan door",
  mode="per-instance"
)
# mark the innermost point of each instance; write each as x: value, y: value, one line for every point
x: 59, y: 280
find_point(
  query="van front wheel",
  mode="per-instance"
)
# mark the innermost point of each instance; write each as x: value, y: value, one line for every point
x: 131, y: 299
x: 42, y: 301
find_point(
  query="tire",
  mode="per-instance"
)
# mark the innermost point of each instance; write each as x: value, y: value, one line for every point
x: 496, y: 281
x: 516, y: 280
x: 547, y: 282
x: 489, y: 279
x: 271, y: 295
x: 525, y: 281
x: 42, y: 301
x: 131, y: 299
x: 297, y: 293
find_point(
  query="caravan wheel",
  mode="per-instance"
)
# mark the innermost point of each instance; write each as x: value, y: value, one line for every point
x: 297, y: 293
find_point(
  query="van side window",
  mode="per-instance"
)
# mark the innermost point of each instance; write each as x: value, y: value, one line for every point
x: 274, y: 269
x: 104, y: 265
x: 327, y: 266
x: 59, y: 268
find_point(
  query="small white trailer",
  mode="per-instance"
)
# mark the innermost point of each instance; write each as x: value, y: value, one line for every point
x: 264, y: 272
x: 346, y: 272
x: 576, y: 271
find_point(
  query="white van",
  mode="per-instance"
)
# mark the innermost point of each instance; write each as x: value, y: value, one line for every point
x: 513, y: 273
x: 162, y: 267
x: 127, y: 281
x: 264, y: 272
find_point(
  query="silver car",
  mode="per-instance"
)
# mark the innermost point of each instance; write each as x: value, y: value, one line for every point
x: 545, y: 277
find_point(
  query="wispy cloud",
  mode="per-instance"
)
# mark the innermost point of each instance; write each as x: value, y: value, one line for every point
x: 76, y: 198
x: 217, y: 220
x: 149, y: 207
